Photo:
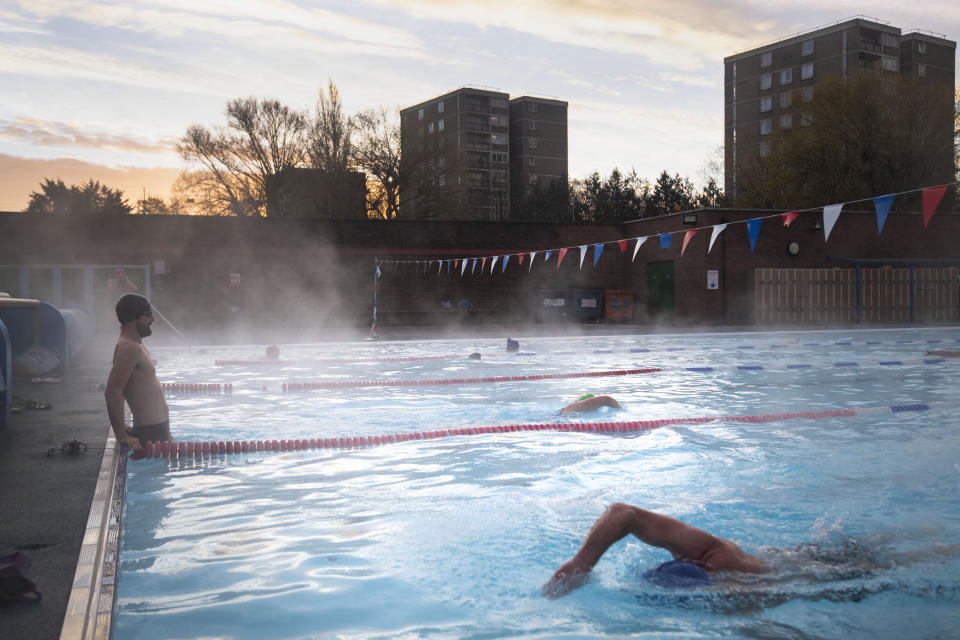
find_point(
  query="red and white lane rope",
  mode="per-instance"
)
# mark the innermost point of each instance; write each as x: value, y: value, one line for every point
x: 193, y: 449
x: 306, y: 386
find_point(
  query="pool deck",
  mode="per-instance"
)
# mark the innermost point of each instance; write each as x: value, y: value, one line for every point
x: 45, y: 500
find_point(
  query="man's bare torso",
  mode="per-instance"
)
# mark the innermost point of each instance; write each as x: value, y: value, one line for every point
x: 143, y: 391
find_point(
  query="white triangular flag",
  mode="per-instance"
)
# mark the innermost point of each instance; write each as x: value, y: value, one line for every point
x: 494, y: 263
x: 583, y: 253
x: 640, y: 241
x: 532, y: 254
x: 830, y: 215
x: 717, y: 230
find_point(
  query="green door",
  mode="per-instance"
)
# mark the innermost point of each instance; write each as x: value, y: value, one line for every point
x: 660, y: 288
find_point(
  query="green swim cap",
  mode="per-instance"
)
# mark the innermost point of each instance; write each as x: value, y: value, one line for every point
x: 585, y: 396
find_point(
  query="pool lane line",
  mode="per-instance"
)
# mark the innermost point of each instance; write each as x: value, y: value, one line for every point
x: 193, y: 387
x: 785, y: 345
x: 348, y: 384
x: 183, y: 449
x: 262, y: 362
x: 307, y: 386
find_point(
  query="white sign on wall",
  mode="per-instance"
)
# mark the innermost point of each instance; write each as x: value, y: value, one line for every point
x: 713, y: 279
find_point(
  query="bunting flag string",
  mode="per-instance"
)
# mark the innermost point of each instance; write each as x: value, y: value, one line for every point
x: 931, y: 199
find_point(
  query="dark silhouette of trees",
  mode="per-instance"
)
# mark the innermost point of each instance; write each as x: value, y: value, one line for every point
x: 377, y: 152
x: 91, y: 198
x: 241, y: 165
x: 857, y: 138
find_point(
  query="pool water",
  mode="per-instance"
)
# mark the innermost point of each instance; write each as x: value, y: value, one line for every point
x: 453, y: 537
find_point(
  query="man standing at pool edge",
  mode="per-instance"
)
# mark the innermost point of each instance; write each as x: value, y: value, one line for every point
x: 134, y: 378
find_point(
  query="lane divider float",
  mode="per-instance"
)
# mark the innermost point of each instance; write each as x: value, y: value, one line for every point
x: 184, y: 449
x: 262, y: 362
x: 190, y: 387
x: 307, y: 386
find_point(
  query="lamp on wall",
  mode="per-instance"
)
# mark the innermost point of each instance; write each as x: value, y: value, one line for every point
x: 816, y: 226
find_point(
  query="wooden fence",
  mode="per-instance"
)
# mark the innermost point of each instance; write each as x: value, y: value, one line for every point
x: 919, y: 294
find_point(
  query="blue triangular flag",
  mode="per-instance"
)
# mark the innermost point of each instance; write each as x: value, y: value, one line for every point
x: 473, y: 266
x: 753, y: 229
x: 882, y: 204
x: 665, y: 241
x: 549, y: 253
x: 597, y: 250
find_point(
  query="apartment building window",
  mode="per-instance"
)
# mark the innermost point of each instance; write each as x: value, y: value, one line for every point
x: 806, y: 94
x: 766, y: 80
x: 420, y: 131
x: 430, y: 128
x: 420, y: 113
x: 441, y: 179
x: 441, y: 162
x: 764, y: 149
x: 533, y: 143
x: 498, y: 156
x: 766, y: 104
x: 806, y: 48
x: 921, y: 70
x: 766, y: 59
x: 806, y: 119
x: 532, y: 161
x: 442, y: 142
x: 498, y: 121
x: 890, y: 40
x: 786, y: 76
x: 766, y: 126
x: 921, y: 47
x: 786, y: 121
x: 786, y: 99
x: 890, y: 63
x: 499, y: 103
x: 441, y: 125
x: 532, y: 180
x: 532, y: 125
x: 498, y: 138
x: 440, y: 107
x: 532, y: 107
x: 806, y: 70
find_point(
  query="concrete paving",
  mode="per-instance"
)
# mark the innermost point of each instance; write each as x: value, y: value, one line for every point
x: 45, y: 499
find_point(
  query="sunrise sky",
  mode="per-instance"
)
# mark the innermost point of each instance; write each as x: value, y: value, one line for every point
x: 104, y: 88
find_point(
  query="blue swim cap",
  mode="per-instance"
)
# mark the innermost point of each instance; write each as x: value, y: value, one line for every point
x: 678, y: 574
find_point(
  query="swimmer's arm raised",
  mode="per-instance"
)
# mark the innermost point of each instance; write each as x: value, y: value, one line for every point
x: 124, y: 363
x: 615, y: 523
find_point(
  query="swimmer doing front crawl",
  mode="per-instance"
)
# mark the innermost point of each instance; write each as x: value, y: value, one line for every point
x: 696, y: 553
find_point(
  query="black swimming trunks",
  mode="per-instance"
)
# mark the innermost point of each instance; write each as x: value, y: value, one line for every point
x: 153, y: 432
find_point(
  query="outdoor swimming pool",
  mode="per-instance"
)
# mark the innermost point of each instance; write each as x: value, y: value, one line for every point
x: 453, y: 537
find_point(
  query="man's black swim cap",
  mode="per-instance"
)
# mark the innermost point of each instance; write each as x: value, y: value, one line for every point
x: 131, y: 306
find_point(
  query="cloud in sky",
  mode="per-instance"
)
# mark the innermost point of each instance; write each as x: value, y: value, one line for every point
x: 35, y: 131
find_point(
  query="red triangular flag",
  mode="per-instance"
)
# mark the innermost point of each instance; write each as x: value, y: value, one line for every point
x: 563, y: 252
x: 456, y: 264
x: 623, y: 245
x: 931, y: 198
x: 686, y: 238
x: 521, y: 257
x: 789, y: 217
x: 483, y: 261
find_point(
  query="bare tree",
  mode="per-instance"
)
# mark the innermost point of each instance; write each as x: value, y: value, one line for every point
x: 857, y: 138
x: 246, y: 159
x: 377, y: 152
x: 330, y: 143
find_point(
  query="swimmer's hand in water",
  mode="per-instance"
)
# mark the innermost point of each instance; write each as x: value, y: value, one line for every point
x: 568, y: 577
